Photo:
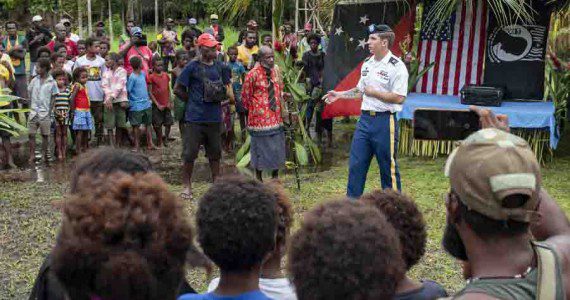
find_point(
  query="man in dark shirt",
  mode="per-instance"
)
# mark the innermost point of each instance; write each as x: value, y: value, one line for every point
x: 37, y: 36
x: 99, y: 32
x: 198, y: 85
x: 314, y: 64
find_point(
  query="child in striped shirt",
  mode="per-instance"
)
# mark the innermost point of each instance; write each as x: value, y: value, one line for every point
x: 61, y: 110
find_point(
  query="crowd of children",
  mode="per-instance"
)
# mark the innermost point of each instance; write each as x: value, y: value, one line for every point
x: 79, y: 89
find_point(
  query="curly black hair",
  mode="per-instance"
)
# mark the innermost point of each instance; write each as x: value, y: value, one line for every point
x: 284, y: 212
x: 404, y: 215
x: 136, y: 62
x: 314, y: 36
x: 345, y: 250
x: 123, y: 237
x: 77, y: 73
x: 58, y: 73
x: 188, y: 33
x: 107, y: 160
x: 237, y: 223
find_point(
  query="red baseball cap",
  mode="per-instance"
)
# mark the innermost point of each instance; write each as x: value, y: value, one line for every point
x: 208, y: 40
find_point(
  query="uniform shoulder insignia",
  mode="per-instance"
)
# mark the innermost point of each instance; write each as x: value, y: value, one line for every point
x: 393, y: 60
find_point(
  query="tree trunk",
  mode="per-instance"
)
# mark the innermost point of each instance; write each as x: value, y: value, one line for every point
x: 102, y: 11
x: 273, y: 29
x: 80, y: 18
x: 89, y: 19
x: 296, y: 15
x: 130, y: 10
x: 111, y: 33
x: 156, y: 16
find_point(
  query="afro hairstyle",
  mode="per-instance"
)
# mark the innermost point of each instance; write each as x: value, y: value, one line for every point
x: 345, y: 250
x: 107, y: 160
x: 284, y: 212
x: 237, y: 223
x: 123, y: 237
x: 404, y: 215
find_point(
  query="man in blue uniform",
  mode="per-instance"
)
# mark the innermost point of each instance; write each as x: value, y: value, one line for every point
x: 383, y: 87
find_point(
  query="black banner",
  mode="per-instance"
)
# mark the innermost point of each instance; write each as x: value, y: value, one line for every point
x: 515, y: 55
x: 347, y: 47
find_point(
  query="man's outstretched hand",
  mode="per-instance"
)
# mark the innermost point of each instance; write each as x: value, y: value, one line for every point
x: 331, y: 97
x: 488, y: 119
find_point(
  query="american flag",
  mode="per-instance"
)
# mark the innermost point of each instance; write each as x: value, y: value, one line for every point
x: 456, y: 47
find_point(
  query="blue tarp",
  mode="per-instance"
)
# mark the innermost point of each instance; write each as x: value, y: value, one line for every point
x: 521, y: 114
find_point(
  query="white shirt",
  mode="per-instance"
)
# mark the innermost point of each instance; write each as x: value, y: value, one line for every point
x: 95, y: 69
x: 277, y: 289
x: 74, y: 37
x: 40, y: 94
x: 387, y: 75
x: 67, y: 67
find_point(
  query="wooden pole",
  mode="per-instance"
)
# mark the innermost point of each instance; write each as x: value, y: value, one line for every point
x: 80, y: 18
x: 296, y: 15
x: 306, y: 15
x: 156, y: 16
x: 273, y: 12
x: 111, y: 37
x: 89, y: 21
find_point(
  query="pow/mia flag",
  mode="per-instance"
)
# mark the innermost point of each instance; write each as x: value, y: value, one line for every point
x: 515, y: 55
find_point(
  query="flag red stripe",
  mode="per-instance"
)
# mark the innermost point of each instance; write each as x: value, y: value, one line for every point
x: 436, y: 68
x: 459, y: 51
x: 471, y: 40
x: 427, y: 60
x: 482, y: 42
x: 445, y: 83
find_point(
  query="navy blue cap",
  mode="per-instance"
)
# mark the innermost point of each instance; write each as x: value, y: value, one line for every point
x: 373, y: 28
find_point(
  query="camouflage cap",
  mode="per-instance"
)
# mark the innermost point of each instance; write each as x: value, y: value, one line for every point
x: 491, y: 165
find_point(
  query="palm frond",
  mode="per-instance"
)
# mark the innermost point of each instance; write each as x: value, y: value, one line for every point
x: 233, y: 9
x: 505, y: 11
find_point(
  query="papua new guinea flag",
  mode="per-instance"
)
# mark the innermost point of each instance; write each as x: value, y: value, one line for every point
x: 347, y: 49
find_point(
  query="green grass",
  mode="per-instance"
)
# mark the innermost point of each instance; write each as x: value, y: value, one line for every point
x: 29, y: 223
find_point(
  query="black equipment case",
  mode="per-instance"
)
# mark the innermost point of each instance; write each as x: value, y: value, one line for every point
x: 481, y: 95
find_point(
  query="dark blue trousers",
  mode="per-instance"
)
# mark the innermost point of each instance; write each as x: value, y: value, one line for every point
x: 374, y: 135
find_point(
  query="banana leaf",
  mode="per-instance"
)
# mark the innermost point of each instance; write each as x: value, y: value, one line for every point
x: 8, y: 97
x: 243, y: 149
x: 301, y: 154
x: 14, y: 110
x: 9, y: 122
x: 414, y: 78
x: 315, y: 151
x: 244, y: 161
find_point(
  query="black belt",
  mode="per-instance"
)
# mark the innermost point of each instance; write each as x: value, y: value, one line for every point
x: 373, y: 113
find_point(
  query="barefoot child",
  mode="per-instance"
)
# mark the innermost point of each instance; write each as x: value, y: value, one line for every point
x: 41, y: 90
x: 139, y: 103
x: 159, y: 90
x: 82, y: 118
x: 116, y: 101
x: 179, y: 105
x: 61, y: 109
